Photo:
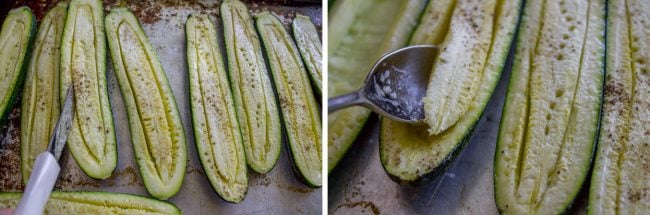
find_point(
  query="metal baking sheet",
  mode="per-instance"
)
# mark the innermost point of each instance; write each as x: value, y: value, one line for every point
x: 278, y: 192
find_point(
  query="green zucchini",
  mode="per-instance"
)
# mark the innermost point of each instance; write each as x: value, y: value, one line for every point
x: 360, y: 32
x: 299, y: 108
x: 16, y: 39
x: 309, y: 45
x: 83, y: 65
x: 257, y: 110
x: 620, y: 180
x: 156, y: 129
x: 551, y: 114
x: 95, y: 203
x: 410, y: 153
x: 216, y: 130
x: 40, y: 101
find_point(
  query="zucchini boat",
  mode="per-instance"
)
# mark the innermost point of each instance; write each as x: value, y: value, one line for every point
x: 309, y: 45
x: 216, y: 130
x: 16, y: 39
x: 360, y: 32
x: 257, y: 110
x: 40, y: 102
x: 480, y: 30
x: 550, y: 118
x: 156, y: 129
x: 299, y: 108
x: 83, y: 65
x: 95, y: 203
x: 620, y: 180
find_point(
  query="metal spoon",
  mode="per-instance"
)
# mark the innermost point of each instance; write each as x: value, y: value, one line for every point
x: 395, y: 85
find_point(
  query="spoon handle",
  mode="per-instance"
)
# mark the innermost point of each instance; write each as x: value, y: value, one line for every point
x: 343, y: 101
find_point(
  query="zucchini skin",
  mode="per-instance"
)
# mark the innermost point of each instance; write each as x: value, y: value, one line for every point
x: 215, y: 122
x: 153, y: 114
x: 306, y: 36
x: 14, y: 86
x: 299, y: 108
x: 40, y: 103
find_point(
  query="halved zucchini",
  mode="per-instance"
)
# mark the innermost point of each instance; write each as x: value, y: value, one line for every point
x: 156, y: 129
x: 551, y: 114
x: 83, y: 65
x: 16, y: 39
x: 360, y: 32
x: 620, y: 182
x: 95, y: 203
x: 309, y: 45
x: 299, y: 108
x: 408, y: 152
x: 257, y: 109
x: 40, y: 102
x: 216, y: 130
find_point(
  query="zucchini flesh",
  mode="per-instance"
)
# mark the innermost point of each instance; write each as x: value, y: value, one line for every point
x: 83, y: 65
x: 620, y: 182
x: 16, y: 38
x: 551, y: 114
x: 297, y: 102
x: 156, y: 129
x: 257, y: 109
x: 309, y: 46
x: 216, y: 130
x: 360, y: 32
x: 95, y: 203
x: 40, y: 101
x: 408, y: 152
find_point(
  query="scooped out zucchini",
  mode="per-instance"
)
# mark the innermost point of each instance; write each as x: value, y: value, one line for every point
x: 16, y: 39
x: 483, y: 30
x: 40, y: 101
x: 306, y: 36
x: 156, y: 129
x: 95, y: 203
x: 551, y: 113
x: 216, y: 130
x: 620, y: 180
x: 83, y: 65
x: 299, y: 108
x: 360, y: 32
x: 257, y: 110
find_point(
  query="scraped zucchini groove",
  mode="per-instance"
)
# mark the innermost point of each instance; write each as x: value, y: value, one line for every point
x: 309, y: 45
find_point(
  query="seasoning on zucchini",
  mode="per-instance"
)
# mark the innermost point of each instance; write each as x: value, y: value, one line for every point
x: 257, y: 111
x: 309, y: 45
x: 620, y: 180
x: 216, y: 130
x: 40, y: 101
x: 551, y: 113
x: 95, y: 203
x: 83, y: 65
x: 299, y: 108
x: 16, y: 39
x: 156, y: 129
x: 482, y: 30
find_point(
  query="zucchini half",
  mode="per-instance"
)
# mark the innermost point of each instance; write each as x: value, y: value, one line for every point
x: 95, y: 203
x: 216, y: 130
x: 359, y: 33
x: 299, y: 108
x: 551, y: 114
x: 257, y: 110
x: 483, y: 30
x: 16, y: 39
x: 620, y: 182
x: 306, y: 36
x: 40, y: 102
x: 83, y: 65
x: 156, y: 129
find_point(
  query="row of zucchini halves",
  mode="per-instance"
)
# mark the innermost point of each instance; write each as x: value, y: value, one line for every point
x: 571, y: 58
x: 235, y: 114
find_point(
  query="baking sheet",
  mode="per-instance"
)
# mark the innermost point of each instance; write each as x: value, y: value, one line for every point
x: 277, y: 192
